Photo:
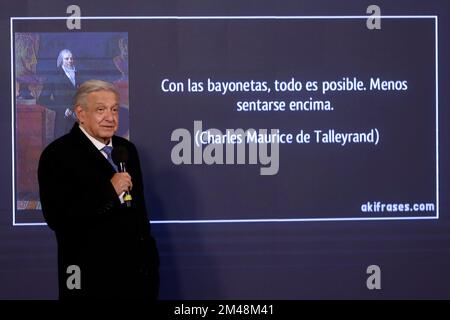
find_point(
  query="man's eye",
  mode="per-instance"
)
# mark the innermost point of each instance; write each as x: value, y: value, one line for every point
x: 100, y: 109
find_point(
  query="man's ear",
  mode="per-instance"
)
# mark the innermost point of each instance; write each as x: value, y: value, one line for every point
x: 80, y: 114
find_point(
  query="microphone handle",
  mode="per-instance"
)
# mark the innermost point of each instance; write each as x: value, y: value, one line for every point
x: 127, y: 196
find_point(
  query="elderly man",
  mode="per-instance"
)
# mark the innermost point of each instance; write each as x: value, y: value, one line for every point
x: 106, y: 241
x: 59, y: 91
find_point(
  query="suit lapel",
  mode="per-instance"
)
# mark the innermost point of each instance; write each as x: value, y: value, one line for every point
x: 90, y: 151
x: 66, y: 78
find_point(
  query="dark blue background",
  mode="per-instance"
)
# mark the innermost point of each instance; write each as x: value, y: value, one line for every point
x: 256, y: 261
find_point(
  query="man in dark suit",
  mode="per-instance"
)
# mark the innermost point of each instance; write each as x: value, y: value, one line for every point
x: 82, y: 198
x: 59, y: 90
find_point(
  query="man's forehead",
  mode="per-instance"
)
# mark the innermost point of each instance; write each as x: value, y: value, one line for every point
x: 106, y: 104
x: 103, y: 96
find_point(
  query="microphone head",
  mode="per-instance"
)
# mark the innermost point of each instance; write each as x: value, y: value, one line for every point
x: 119, y: 154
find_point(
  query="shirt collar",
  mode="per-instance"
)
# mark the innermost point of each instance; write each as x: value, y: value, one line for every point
x: 99, y: 145
x: 66, y: 70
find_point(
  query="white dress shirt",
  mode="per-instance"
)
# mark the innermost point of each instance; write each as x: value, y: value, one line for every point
x: 71, y: 75
x: 100, y: 145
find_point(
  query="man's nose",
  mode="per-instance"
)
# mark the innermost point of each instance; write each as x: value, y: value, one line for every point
x: 109, y: 115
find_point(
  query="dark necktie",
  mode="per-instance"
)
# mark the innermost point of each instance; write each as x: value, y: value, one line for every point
x: 108, y: 150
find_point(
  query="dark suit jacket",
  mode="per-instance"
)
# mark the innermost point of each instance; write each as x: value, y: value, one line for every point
x: 57, y: 95
x: 110, y: 243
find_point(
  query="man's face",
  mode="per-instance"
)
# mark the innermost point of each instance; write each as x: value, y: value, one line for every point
x: 100, y: 118
x: 68, y: 60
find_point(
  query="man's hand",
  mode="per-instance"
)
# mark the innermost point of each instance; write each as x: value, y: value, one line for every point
x: 121, y: 182
x: 68, y: 113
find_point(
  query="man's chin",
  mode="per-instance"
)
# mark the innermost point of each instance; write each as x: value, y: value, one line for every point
x: 106, y: 134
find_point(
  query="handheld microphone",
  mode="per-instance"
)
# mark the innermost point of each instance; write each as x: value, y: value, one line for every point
x: 119, y: 155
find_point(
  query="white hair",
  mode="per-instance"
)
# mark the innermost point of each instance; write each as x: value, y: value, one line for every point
x: 92, y: 86
x: 59, y: 61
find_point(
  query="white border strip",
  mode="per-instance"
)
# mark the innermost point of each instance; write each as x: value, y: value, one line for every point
x: 435, y: 17
x: 437, y: 114
x: 224, y: 17
x: 265, y: 220
x: 13, y: 127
